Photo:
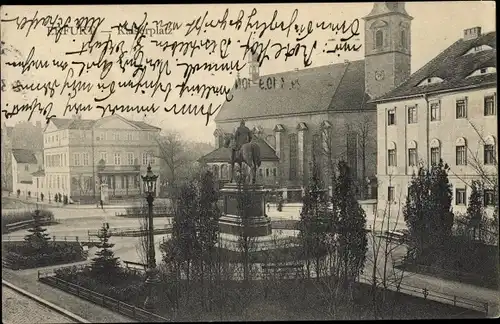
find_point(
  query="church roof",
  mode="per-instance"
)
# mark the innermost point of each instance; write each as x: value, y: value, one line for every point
x: 335, y: 87
x: 70, y: 123
x: 24, y: 156
x: 223, y: 154
x: 454, y: 65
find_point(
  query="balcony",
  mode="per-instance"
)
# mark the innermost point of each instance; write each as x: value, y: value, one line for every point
x: 105, y: 169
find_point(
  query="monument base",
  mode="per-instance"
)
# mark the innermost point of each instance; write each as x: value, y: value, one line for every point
x: 257, y: 244
x: 255, y: 223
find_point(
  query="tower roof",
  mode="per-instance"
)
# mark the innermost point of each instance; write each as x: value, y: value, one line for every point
x: 385, y: 8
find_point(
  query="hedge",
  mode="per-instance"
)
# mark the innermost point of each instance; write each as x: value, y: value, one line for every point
x: 21, y: 256
x: 9, y: 218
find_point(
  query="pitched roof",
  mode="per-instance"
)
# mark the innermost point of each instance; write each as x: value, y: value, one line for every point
x: 223, y: 154
x: 453, y: 67
x: 39, y: 173
x: 68, y: 123
x: 24, y: 156
x: 335, y: 87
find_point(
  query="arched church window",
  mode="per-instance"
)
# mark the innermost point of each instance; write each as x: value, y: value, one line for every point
x: 293, y: 156
x: 379, y: 39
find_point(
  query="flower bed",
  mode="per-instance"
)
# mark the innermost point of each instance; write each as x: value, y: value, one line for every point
x: 20, y: 255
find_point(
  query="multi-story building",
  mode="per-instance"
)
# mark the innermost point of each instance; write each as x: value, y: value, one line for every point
x: 303, y: 113
x: 82, y: 154
x: 24, y: 163
x: 446, y: 110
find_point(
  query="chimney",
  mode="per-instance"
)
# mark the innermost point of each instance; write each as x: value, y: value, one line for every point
x: 471, y: 33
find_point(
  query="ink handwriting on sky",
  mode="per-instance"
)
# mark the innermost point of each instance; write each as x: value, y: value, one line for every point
x: 148, y: 66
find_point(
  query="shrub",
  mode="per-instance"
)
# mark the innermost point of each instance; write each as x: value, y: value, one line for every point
x: 23, y: 256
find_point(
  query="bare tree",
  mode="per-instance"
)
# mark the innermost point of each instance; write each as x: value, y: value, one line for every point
x: 171, y: 151
x: 384, y: 255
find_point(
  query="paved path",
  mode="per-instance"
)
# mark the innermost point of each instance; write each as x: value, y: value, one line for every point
x: 19, y: 309
x: 27, y: 280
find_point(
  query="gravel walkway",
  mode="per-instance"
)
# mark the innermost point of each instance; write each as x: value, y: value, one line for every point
x: 85, y: 309
x: 19, y: 309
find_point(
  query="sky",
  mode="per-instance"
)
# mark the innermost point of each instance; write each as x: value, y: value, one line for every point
x: 436, y: 25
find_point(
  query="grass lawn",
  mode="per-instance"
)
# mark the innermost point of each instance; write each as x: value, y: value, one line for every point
x: 9, y: 203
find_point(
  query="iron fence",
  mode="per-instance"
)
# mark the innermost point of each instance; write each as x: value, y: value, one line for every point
x: 430, y: 294
x: 120, y: 307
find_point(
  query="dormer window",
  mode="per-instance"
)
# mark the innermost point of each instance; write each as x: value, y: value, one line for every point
x: 431, y: 80
x: 482, y: 71
x: 479, y: 48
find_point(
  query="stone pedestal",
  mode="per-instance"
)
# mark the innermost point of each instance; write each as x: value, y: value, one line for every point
x: 233, y: 222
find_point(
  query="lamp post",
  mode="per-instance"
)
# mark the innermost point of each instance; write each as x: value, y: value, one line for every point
x: 149, y: 181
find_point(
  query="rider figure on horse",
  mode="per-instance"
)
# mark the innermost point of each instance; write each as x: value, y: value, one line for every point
x: 242, y: 135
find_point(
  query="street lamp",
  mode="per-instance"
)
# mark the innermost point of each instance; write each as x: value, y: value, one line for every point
x: 149, y: 181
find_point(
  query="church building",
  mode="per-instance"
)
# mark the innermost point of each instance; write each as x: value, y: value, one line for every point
x: 321, y: 112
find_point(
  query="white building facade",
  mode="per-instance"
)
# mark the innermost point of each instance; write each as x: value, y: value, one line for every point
x: 447, y: 110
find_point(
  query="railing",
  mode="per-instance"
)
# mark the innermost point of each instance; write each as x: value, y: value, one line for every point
x: 20, y: 238
x: 430, y: 294
x: 135, y: 265
x: 133, y: 312
x: 131, y: 231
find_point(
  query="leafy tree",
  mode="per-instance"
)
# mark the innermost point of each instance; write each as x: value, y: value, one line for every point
x: 350, y: 227
x: 38, y: 239
x: 207, y: 224
x: 105, y: 266
x: 428, y: 213
x: 184, y: 229
x: 475, y: 209
x: 313, y: 223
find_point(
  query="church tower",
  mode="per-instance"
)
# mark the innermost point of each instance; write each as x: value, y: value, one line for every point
x: 253, y: 66
x: 387, y: 47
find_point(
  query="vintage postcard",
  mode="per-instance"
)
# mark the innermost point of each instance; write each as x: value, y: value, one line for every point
x: 249, y: 162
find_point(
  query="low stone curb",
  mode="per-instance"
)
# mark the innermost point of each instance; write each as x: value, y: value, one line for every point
x: 56, y: 308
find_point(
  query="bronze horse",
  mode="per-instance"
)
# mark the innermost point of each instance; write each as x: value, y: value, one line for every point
x: 248, y: 153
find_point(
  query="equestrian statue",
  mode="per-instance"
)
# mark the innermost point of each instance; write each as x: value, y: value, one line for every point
x: 243, y: 150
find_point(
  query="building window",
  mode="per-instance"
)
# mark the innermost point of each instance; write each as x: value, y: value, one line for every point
x: 404, y: 43
x: 391, y: 117
x: 57, y: 138
x: 412, y: 157
x: 85, y: 159
x: 460, y: 196
x: 116, y: 136
x: 104, y: 157
x: 267, y: 172
x: 130, y: 137
x: 58, y: 180
x: 274, y: 172
x: 390, y: 193
x: 293, y: 156
x: 489, y: 154
x: 391, y: 157
x: 489, y: 106
x: 76, y: 159
x: 260, y: 172
x: 144, y: 158
x: 118, y: 159
x: 412, y: 115
x: 130, y: 158
x: 26, y: 167
x: 151, y: 157
x: 489, y: 197
x: 379, y: 39
x: 461, y: 108
x: 461, y: 155
x: 435, y: 155
x: 435, y: 111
